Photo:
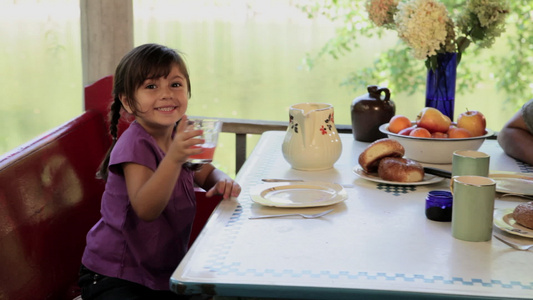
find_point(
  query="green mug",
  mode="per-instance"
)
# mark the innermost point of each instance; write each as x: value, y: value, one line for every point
x: 470, y: 162
x: 473, y: 208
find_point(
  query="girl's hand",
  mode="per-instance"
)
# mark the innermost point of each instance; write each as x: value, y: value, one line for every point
x: 180, y: 148
x: 225, y: 187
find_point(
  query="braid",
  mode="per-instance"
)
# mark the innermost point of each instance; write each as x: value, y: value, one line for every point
x: 114, y: 117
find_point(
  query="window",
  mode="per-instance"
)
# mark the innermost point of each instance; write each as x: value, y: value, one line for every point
x: 245, y: 60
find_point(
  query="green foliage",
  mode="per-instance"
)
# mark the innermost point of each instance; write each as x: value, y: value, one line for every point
x: 511, y: 69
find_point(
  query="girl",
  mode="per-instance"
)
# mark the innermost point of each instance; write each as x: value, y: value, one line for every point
x: 148, y: 204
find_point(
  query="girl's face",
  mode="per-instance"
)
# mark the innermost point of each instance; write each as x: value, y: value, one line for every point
x: 162, y: 101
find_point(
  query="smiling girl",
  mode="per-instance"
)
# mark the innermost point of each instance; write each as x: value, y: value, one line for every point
x: 148, y: 204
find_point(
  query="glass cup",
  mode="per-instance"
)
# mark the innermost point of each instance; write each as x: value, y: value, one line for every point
x: 211, y: 128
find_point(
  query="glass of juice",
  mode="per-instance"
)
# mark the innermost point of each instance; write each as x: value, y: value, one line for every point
x: 211, y: 128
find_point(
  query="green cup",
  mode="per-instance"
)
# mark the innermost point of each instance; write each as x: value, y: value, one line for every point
x: 473, y: 208
x: 470, y: 162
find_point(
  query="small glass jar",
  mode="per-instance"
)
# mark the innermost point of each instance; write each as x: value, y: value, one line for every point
x: 439, y: 206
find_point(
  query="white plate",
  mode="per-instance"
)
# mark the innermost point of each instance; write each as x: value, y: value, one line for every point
x: 503, y: 219
x: 428, y: 178
x: 298, y: 194
x: 513, y: 183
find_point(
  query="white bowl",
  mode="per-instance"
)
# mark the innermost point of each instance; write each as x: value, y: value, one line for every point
x: 433, y: 150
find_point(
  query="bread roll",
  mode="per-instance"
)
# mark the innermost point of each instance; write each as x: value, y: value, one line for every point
x: 400, y: 170
x: 370, y: 157
x: 523, y: 214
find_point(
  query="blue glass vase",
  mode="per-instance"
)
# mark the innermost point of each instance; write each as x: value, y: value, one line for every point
x: 440, y: 85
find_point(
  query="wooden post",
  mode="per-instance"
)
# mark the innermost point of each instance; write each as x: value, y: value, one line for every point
x: 106, y: 35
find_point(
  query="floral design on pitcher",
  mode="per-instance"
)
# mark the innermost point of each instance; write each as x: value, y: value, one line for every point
x: 294, y: 126
x: 329, y: 124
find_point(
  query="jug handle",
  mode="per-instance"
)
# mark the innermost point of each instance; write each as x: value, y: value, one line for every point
x: 375, y: 92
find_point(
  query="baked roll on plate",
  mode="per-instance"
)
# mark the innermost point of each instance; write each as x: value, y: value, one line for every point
x: 382, y: 162
x: 504, y: 220
x: 428, y: 178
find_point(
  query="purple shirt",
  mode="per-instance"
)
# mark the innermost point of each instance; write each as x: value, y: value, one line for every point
x: 122, y: 245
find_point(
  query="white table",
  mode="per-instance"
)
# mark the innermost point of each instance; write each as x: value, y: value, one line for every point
x: 378, y: 243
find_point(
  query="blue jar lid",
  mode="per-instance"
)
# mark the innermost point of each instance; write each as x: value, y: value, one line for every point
x: 440, y: 194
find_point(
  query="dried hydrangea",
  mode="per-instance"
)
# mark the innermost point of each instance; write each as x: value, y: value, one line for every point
x: 450, y: 43
x: 381, y: 12
x: 427, y: 28
x: 483, y: 20
x: 422, y: 24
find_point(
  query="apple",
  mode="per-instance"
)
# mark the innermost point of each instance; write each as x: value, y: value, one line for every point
x: 407, y: 131
x: 433, y: 120
x: 473, y: 121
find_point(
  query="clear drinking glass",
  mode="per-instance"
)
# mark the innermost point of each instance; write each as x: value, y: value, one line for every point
x: 211, y: 128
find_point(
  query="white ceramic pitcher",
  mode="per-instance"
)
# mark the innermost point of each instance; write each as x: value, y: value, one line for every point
x: 312, y: 141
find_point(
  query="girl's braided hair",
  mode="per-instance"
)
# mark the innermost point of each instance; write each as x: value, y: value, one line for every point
x: 148, y: 61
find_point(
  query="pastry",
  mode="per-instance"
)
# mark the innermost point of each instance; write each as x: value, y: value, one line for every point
x: 400, y: 170
x: 370, y: 157
x: 523, y: 214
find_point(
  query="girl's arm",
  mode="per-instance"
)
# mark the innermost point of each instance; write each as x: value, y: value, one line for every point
x: 516, y: 139
x: 215, y: 182
x: 149, y: 191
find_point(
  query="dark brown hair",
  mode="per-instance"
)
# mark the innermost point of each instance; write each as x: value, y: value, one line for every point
x: 148, y: 61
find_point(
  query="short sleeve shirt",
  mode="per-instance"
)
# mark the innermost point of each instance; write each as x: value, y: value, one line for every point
x: 122, y: 245
x: 527, y: 114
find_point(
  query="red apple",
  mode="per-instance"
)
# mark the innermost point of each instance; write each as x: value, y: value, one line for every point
x: 433, y: 120
x: 473, y: 121
x: 407, y: 130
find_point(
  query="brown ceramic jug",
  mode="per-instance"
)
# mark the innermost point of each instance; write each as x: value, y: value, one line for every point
x: 370, y: 111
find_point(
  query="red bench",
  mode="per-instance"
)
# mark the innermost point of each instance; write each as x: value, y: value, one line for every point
x: 49, y: 199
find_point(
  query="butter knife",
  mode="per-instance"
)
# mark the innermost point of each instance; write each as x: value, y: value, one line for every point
x: 438, y: 172
x: 281, y: 180
x: 428, y: 170
x: 345, y: 185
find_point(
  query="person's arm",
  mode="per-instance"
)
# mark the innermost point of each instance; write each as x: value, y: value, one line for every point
x: 149, y: 191
x: 215, y: 182
x: 516, y: 139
